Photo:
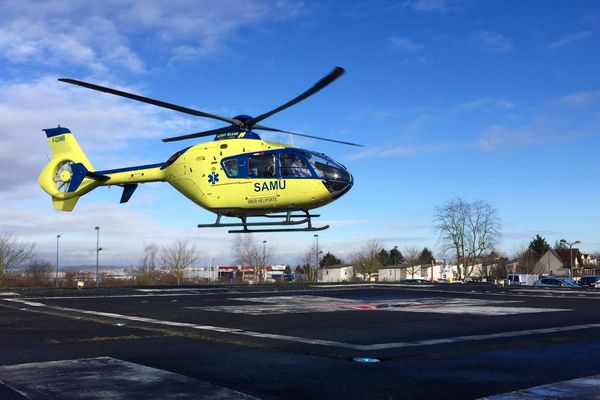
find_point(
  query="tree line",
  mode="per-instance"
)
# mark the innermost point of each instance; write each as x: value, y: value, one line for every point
x: 468, y: 230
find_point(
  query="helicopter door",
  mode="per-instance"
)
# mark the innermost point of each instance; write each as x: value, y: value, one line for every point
x: 265, y: 184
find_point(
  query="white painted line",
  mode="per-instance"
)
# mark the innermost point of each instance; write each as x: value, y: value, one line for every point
x: 576, y: 389
x: 329, y: 343
x: 170, y: 290
x: 107, y: 378
x: 2, y: 294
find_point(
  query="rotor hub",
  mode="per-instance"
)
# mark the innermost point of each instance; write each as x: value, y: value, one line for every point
x: 65, y: 176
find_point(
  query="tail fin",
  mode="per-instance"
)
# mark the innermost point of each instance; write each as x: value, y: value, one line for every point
x: 61, y: 178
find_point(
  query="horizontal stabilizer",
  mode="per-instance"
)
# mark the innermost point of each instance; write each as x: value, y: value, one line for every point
x: 80, y: 172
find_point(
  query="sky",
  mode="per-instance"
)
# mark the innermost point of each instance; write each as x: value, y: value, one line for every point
x: 486, y: 100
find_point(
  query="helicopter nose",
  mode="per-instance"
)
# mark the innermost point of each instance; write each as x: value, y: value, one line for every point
x: 338, y: 188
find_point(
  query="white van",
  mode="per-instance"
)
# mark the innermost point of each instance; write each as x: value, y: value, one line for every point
x: 521, y: 279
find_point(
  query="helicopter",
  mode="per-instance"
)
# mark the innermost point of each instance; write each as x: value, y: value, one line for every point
x: 237, y: 175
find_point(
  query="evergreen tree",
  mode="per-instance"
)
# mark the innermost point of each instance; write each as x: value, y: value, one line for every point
x: 560, y: 245
x: 426, y: 257
x: 539, y: 246
x: 384, y: 258
x: 396, y: 257
x: 329, y: 259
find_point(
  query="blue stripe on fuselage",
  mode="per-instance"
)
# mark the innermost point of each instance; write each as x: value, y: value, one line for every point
x: 114, y: 171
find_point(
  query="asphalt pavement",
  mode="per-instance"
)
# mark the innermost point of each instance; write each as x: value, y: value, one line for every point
x: 295, y: 342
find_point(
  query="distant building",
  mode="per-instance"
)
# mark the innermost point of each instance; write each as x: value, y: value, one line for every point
x: 438, y: 270
x: 246, y: 273
x: 393, y: 273
x: 335, y: 273
x: 558, y: 262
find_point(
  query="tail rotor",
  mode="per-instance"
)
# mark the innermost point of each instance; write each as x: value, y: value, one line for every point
x: 63, y: 176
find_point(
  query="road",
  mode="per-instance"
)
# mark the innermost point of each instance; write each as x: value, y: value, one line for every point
x: 294, y: 342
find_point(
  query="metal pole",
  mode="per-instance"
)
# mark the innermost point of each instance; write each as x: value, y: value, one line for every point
x: 570, y: 255
x: 317, y: 264
x: 97, y: 251
x: 57, y: 237
x: 395, y: 255
x: 263, y: 258
x: 571, y: 261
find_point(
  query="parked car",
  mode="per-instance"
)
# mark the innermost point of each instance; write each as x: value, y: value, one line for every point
x: 552, y: 281
x: 415, y: 281
x: 589, y: 280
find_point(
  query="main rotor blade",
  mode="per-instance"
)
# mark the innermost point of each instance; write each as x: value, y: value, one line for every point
x: 227, y: 129
x: 265, y: 128
x: 332, y: 76
x: 150, y: 101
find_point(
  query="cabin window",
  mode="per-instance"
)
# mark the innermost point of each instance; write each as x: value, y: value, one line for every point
x: 261, y: 166
x: 293, y: 166
x: 231, y: 168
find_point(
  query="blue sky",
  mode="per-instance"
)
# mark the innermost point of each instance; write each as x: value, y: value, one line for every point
x: 488, y: 100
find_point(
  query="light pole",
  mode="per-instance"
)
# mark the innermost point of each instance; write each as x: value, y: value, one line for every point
x: 98, y: 248
x: 570, y: 254
x: 317, y: 257
x: 395, y: 255
x: 263, y: 259
x: 57, y: 237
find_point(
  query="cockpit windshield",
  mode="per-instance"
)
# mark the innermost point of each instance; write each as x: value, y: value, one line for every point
x: 326, y: 168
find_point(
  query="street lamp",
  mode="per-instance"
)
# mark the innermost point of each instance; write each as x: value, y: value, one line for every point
x: 98, y: 248
x: 57, y: 237
x: 395, y: 255
x: 571, y: 244
x: 317, y: 264
x: 263, y: 259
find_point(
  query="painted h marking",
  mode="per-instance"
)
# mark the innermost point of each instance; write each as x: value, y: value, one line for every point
x: 329, y: 343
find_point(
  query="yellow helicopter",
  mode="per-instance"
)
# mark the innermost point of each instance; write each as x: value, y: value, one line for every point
x: 236, y: 175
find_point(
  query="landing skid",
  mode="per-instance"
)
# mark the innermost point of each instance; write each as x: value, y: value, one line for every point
x: 287, y: 219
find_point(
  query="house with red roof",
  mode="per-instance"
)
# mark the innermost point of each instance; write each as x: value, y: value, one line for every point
x: 560, y: 262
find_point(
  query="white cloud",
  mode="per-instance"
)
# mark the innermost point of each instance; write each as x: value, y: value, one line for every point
x: 401, y: 151
x: 498, y: 137
x: 486, y: 103
x: 404, y: 45
x: 580, y: 98
x: 569, y: 39
x: 492, y: 41
x: 101, y: 35
x: 428, y: 5
x: 95, y: 44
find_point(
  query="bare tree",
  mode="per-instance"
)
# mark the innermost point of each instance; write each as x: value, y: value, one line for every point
x: 527, y: 260
x: 483, y: 232
x: 366, y: 259
x: 470, y: 229
x: 148, y: 272
x: 411, y: 258
x: 39, y: 272
x: 311, y: 261
x: 150, y: 256
x: 178, y: 256
x: 12, y: 254
x: 248, y: 251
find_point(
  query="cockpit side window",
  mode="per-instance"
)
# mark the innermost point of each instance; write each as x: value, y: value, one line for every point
x: 231, y: 167
x: 261, y: 166
x: 293, y: 166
